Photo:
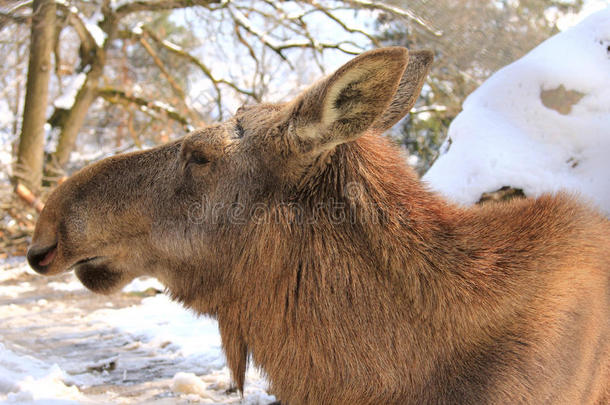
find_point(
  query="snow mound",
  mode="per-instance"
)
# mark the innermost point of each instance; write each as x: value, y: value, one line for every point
x: 25, y: 379
x: 189, y: 383
x: 541, y: 124
x: 207, y: 388
x: 143, y: 284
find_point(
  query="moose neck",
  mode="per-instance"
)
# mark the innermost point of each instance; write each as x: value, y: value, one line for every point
x: 375, y: 219
x: 380, y: 261
x: 370, y: 256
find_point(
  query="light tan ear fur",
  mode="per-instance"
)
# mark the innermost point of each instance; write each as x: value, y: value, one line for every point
x: 341, y: 107
x: 408, y: 91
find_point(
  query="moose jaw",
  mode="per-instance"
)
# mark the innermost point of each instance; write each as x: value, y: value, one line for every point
x: 330, y: 265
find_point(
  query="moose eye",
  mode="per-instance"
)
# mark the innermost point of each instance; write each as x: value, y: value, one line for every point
x: 198, y: 159
x: 239, y: 129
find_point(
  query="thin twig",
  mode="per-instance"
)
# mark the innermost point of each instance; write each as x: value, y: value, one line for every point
x: 377, y: 5
x: 142, y: 5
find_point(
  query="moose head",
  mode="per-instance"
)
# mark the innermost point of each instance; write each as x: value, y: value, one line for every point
x: 184, y: 205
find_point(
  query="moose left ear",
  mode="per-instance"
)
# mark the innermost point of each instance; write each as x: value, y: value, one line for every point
x: 341, y: 107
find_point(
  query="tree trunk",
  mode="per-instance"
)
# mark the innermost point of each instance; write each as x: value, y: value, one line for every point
x: 30, y: 153
x: 84, y: 98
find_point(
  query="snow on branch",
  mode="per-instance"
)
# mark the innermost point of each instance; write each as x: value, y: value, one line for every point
x: 21, y: 5
x: 76, y: 20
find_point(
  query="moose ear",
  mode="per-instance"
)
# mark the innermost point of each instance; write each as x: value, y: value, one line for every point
x: 341, y: 107
x: 408, y: 90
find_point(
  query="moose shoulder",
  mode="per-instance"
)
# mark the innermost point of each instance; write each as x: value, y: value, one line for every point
x: 330, y: 265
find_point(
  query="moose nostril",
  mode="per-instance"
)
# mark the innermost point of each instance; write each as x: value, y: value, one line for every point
x: 40, y: 257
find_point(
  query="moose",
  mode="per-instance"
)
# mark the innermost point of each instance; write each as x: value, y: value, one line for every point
x: 329, y: 265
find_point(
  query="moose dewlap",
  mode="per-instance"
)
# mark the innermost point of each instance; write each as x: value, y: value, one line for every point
x: 330, y: 266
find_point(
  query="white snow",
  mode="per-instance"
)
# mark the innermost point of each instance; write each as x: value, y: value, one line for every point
x: 164, y: 106
x: 161, y: 320
x: 12, y: 268
x: 171, y: 45
x: 189, y: 383
x: 73, y: 285
x: 137, y: 30
x: 16, y: 290
x: 96, y: 32
x: 506, y: 136
x: 92, y: 25
x: 142, y: 284
x: 204, y: 389
x: 66, y: 100
x: 25, y: 379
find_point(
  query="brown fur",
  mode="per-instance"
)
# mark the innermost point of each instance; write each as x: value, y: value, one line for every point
x: 329, y: 264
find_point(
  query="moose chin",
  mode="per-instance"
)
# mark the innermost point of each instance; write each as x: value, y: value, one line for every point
x: 328, y: 264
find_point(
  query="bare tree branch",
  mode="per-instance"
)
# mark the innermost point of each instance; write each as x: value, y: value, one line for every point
x: 348, y: 47
x: 11, y: 14
x: 378, y: 5
x: 15, y: 18
x: 159, y: 63
x: 117, y: 96
x: 176, y: 50
x: 177, y: 89
x: 269, y: 42
x: 333, y: 17
x: 143, y: 5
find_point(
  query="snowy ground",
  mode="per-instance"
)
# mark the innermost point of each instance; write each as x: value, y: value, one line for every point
x: 61, y: 344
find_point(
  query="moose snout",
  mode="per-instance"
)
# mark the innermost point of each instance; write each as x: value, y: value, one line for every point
x: 40, y: 257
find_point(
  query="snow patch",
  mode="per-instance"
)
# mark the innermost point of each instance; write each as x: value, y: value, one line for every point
x: 96, y: 32
x: 66, y: 100
x: 163, y: 325
x: 142, y: 284
x: 15, y: 291
x: 160, y: 321
x: 72, y: 285
x: 27, y: 379
x: 189, y: 383
x: 13, y: 268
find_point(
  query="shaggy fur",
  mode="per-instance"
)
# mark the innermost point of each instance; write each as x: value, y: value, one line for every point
x: 329, y: 264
